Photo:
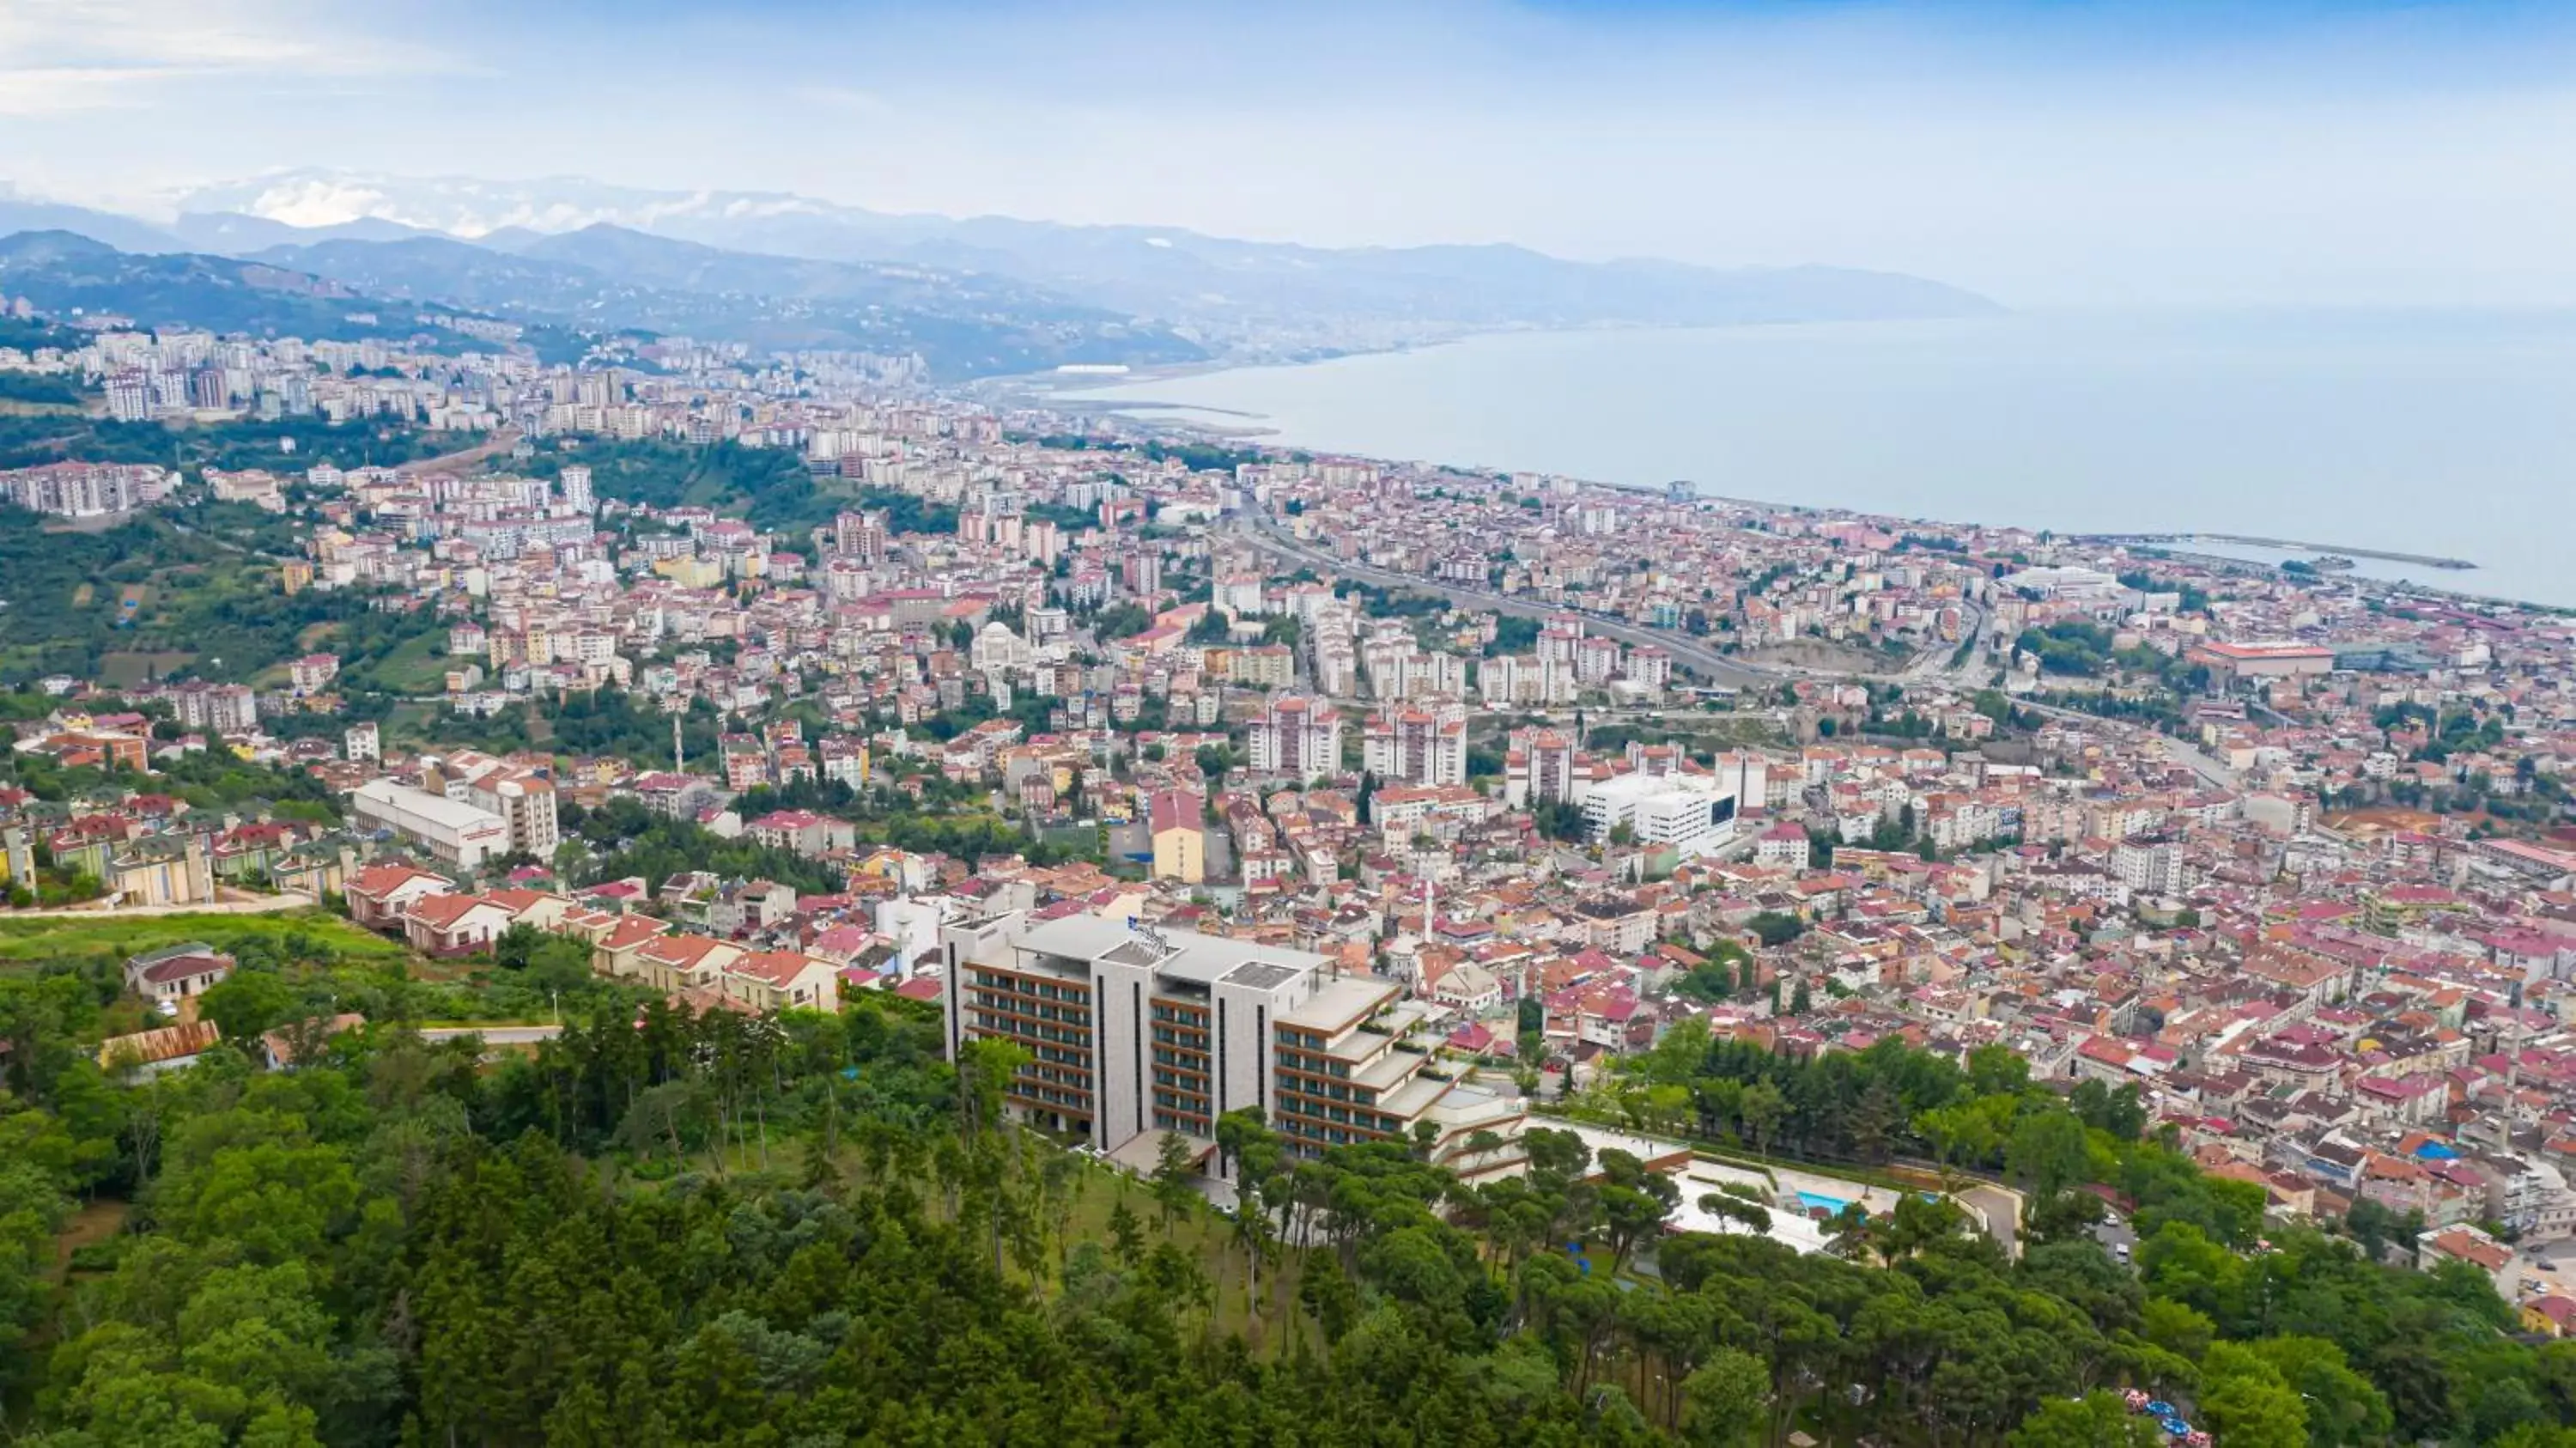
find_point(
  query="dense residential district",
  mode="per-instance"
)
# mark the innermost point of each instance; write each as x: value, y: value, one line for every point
x: 1461, y: 813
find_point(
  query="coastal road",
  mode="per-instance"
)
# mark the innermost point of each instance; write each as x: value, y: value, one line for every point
x: 1686, y: 651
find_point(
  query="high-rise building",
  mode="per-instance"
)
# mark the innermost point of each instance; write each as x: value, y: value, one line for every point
x: 861, y: 536
x: 1426, y: 746
x: 129, y: 397
x: 1297, y: 737
x: 1134, y: 1030
x: 575, y: 483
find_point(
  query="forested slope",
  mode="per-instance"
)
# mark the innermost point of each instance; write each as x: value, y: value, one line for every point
x: 808, y: 1230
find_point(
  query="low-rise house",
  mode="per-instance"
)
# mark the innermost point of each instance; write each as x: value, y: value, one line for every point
x: 380, y: 894
x: 780, y: 980
x: 452, y: 924
x: 284, y: 1047
x: 146, y: 1054
x: 675, y: 963
x: 177, y: 972
x: 619, y: 951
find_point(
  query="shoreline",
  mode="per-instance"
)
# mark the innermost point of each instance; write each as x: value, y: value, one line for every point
x: 2282, y: 545
x: 1246, y: 427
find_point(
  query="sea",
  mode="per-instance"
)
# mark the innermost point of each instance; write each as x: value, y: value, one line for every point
x: 2443, y: 433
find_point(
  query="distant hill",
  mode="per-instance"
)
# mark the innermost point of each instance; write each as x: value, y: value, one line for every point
x: 975, y: 296
x: 232, y: 233
x: 963, y: 325
x: 68, y: 275
x: 1231, y: 293
x: 348, y: 289
x: 18, y: 213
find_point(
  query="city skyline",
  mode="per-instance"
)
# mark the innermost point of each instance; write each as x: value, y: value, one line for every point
x: 2047, y: 156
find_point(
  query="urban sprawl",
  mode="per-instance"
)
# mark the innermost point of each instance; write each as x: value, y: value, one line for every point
x: 1400, y: 802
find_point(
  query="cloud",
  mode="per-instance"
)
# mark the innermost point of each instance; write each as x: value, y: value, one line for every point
x: 59, y: 56
x: 2115, y: 151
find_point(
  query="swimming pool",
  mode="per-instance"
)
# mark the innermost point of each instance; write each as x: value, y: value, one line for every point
x: 1831, y: 1206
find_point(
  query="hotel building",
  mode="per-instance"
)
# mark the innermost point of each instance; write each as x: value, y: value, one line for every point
x: 1132, y: 1032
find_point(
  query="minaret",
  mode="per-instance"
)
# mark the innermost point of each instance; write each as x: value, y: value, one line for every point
x: 678, y: 764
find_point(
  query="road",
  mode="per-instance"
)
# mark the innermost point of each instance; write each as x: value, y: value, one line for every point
x: 500, y: 442
x: 2114, y: 1233
x: 2189, y: 756
x: 2002, y: 1207
x: 257, y: 905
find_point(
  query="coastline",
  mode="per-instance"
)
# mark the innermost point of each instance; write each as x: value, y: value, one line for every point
x: 1133, y: 405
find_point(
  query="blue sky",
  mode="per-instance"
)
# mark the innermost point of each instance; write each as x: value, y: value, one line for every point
x: 2051, y: 154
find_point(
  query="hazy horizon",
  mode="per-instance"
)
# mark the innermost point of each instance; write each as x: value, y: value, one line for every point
x: 2044, y: 155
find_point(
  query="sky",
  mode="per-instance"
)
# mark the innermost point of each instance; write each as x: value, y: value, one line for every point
x: 2047, y: 154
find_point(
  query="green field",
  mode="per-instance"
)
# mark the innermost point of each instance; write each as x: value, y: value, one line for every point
x: 74, y: 939
x: 126, y: 669
x: 417, y: 666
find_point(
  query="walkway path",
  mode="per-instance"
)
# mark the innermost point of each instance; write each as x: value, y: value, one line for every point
x: 256, y: 905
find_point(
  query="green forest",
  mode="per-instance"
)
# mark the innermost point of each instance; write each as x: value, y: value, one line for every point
x: 665, y: 1230
x: 33, y: 440
x: 145, y: 597
x: 766, y: 487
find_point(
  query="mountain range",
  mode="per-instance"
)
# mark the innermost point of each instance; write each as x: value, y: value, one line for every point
x: 66, y: 274
x: 988, y: 294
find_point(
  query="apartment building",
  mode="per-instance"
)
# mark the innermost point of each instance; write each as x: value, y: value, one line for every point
x: 1127, y: 1030
x: 525, y: 801
x: 1347, y: 1074
x: 1297, y: 737
x: 1417, y: 746
x: 1132, y: 1031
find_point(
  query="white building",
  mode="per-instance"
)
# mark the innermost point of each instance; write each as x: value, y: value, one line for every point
x: 1692, y: 813
x: 912, y: 924
x: 456, y: 833
x: 1130, y: 1031
x: 2150, y: 867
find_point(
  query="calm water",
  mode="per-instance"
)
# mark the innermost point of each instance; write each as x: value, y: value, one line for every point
x: 2435, y: 433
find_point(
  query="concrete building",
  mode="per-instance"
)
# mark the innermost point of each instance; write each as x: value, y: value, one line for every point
x: 1297, y: 737
x: 1132, y: 1032
x: 525, y: 802
x: 457, y: 834
x: 1176, y: 819
x: 1691, y: 813
x: 1417, y: 746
